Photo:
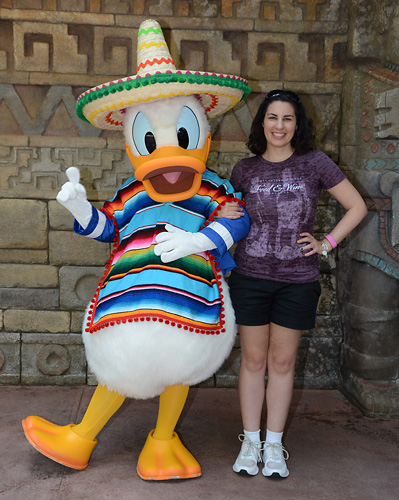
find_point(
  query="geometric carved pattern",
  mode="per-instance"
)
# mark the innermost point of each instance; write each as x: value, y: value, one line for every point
x: 384, y: 207
x: 306, y: 10
x: 378, y: 263
x: 37, y: 125
x: 44, y: 47
x: 379, y: 124
x: 54, y: 113
x: 387, y: 121
x: 53, y: 360
x: 43, y: 169
x: 91, y: 53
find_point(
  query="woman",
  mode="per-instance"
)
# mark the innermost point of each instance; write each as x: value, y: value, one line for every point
x: 275, y: 287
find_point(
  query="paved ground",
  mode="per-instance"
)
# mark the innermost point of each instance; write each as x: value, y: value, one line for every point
x: 336, y: 453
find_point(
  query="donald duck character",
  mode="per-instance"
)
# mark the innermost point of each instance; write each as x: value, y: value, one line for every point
x: 161, y: 318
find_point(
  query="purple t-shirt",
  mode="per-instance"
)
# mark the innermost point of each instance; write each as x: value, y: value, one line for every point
x: 281, y: 201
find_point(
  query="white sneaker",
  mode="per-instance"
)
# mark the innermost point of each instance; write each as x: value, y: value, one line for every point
x: 249, y: 456
x: 274, y: 456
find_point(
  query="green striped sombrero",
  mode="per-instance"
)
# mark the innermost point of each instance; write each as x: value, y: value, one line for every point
x: 157, y: 78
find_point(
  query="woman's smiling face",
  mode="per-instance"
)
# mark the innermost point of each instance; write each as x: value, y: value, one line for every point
x: 279, y: 124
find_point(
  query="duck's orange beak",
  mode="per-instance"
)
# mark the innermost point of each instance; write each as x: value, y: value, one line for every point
x: 171, y: 173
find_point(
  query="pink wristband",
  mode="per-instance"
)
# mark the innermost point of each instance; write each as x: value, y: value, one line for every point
x: 331, y: 240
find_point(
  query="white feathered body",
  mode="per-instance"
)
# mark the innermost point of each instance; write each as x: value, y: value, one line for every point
x: 139, y: 360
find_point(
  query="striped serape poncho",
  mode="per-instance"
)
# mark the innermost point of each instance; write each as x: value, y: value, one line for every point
x: 137, y: 286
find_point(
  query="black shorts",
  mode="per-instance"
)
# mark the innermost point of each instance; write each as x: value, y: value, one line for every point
x: 260, y: 302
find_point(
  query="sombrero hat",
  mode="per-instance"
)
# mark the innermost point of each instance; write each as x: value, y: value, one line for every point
x: 157, y: 78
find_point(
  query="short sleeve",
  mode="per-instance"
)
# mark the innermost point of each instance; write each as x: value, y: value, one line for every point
x: 330, y: 173
x: 236, y: 177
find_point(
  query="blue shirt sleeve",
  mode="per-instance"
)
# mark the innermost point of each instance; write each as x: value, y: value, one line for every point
x: 108, y: 234
x: 238, y: 228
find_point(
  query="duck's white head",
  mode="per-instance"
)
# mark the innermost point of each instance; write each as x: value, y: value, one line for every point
x: 168, y: 142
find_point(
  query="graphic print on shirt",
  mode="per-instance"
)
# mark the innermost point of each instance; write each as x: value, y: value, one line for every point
x: 282, y: 202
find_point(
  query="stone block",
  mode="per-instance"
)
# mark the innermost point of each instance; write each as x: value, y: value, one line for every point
x: 227, y: 375
x: 374, y: 290
x: 69, y: 248
x: 67, y: 148
x: 37, y: 321
x: 380, y: 344
x: 382, y: 368
x: 16, y: 256
x: 335, y: 51
x: 231, y: 130
x: 326, y: 217
x: 25, y: 225
x: 72, y: 5
x: 317, y: 363
x: 347, y: 153
x: 328, y: 265
x: 284, y: 55
x: 368, y: 319
x: 223, y: 163
x: 28, y: 276
x: 328, y: 326
x: 52, y: 359
x: 364, y: 35
x: 374, y: 398
x: 59, y: 217
x: 204, y: 49
x: 10, y: 346
x: 328, y: 303
x: 10, y: 140
x: 78, y: 285
x: 208, y: 383
x: 77, y: 321
x: 47, y: 47
x: 46, y: 298
x: 114, y: 50
x: 91, y: 378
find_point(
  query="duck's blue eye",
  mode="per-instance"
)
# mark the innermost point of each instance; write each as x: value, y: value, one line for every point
x: 188, y: 129
x: 143, y: 135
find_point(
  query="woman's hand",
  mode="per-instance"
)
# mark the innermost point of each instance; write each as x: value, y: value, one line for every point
x: 310, y: 245
x: 230, y: 210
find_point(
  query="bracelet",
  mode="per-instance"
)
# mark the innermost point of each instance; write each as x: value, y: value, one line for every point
x: 325, y: 248
x: 331, y: 240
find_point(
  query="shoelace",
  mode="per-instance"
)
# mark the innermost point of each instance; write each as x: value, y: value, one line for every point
x: 251, y: 448
x: 274, y: 451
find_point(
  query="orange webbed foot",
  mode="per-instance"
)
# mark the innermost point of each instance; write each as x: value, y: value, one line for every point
x: 166, y: 459
x: 59, y: 443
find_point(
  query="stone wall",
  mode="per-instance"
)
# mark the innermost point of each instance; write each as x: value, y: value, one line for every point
x: 51, y: 51
x: 369, y: 272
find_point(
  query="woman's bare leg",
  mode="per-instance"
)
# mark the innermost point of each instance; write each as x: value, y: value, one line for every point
x: 282, y: 353
x: 251, y: 382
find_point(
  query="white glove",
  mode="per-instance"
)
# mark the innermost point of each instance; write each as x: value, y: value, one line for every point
x: 175, y: 243
x: 73, y: 197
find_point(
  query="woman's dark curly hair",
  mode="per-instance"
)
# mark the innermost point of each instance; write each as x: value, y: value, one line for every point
x: 303, y: 139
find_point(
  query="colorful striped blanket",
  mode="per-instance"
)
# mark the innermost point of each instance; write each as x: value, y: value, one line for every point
x: 137, y: 285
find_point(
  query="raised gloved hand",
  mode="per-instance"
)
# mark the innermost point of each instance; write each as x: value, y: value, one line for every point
x: 175, y: 243
x: 73, y: 197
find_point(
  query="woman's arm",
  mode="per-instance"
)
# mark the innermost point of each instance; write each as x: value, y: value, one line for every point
x: 230, y: 210
x: 348, y: 196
